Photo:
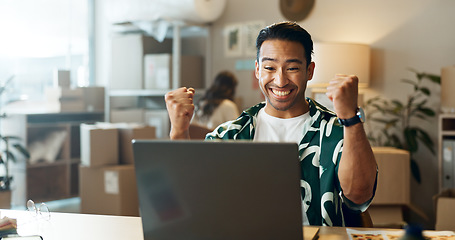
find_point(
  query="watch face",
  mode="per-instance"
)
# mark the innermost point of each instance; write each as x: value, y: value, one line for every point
x: 361, y: 114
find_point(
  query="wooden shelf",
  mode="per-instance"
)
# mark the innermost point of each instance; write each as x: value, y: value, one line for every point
x: 46, y: 164
x: 446, y: 132
x: 56, y: 178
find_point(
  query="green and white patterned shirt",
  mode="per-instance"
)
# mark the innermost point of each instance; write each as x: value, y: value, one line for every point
x: 319, y: 151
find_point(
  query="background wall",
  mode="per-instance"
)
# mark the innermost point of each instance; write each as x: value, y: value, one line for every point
x: 402, y: 34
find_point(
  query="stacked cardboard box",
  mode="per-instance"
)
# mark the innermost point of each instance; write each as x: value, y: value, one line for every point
x: 393, y: 187
x: 60, y: 99
x: 127, y: 115
x: 107, y: 176
x: 81, y: 99
x: 445, y: 203
x: 62, y: 78
x: 93, y: 98
x: 127, y: 58
x: 158, y: 71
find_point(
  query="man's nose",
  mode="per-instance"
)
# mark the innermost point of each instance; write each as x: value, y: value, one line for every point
x: 281, y: 79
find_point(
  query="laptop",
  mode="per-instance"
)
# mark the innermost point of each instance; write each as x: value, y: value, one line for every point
x: 218, y: 189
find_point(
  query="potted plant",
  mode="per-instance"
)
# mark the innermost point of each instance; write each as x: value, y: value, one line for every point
x: 8, y: 145
x: 398, y: 119
x: 6, y: 156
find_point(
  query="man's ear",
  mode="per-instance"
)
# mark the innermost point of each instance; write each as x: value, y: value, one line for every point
x: 310, y: 71
x: 256, y: 69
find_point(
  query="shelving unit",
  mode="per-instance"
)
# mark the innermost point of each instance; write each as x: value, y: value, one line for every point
x: 446, y: 156
x: 179, y: 39
x: 48, y: 180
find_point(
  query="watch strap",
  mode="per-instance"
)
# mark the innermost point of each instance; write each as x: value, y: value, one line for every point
x: 351, y: 121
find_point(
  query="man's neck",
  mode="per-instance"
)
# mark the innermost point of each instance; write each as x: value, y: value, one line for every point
x: 294, y: 111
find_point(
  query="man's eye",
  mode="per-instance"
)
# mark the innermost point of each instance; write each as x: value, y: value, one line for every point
x: 269, y: 68
x: 293, y: 69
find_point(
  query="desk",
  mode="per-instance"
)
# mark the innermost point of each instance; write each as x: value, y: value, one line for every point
x: 71, y: 226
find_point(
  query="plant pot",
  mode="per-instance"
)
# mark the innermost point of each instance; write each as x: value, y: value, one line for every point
x: 5, y: 199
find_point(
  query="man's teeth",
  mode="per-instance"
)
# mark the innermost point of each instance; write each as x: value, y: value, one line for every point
x: 280, y: 93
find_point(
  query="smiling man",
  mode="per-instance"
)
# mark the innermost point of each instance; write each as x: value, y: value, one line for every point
x: 337, y: 163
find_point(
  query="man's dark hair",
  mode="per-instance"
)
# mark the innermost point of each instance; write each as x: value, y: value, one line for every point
x: 288, y: 31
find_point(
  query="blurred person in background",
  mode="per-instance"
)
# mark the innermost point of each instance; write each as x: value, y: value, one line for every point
x: 217, y: 105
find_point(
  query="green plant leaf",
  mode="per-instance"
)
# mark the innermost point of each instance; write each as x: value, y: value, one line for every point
x: 383, y: 121
x: 11, y: 138
x: 426, y: 140
x: 387, y: 123
x: 372, y: 100
x: 425, y: 91
x: 22, y: 150
x: 397, y: 103
x: 432, y: 77
x: 395, y: 141
x: 10, y: 156
x: 410, y: 135
x: 427, y: 111
x: 423, y: 102
x: 393, y: 111
x: 422, y: 75
x: 413, y: 83
x: 378, y: 120
x: 415, y: 171
x: 423, y: 117
x: 418, y: 74
x: 377, y: 106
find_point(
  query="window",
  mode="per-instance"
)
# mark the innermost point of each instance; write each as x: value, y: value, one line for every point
x: 38, y: 37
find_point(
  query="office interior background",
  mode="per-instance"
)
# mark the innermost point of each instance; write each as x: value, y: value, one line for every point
x: 39, y: 36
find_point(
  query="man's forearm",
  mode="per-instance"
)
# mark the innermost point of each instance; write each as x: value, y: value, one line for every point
x: 357, y: 170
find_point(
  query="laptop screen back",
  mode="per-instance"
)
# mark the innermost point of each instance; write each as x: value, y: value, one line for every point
x: 218, y: 190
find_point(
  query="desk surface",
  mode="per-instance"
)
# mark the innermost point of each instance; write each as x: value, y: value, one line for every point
x: 71, y: 226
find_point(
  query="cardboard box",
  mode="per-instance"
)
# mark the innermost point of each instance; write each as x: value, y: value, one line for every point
x: 60, y: 99
x: 127, y: 59
x: 127, y: 133
x: 59, y: 93
x: 387, y: 216
x: 62, y: 78
x: 158, y: 71
x: 130, y: 115
x: 99, y: 146
x: 93, y: 98
x: 66, y: 106
x: 445, y: 210
x: 109, y: 190
x: 392, y: 200
x: 393, y: 177
x: 160, y: 120
x: 5, y: 199
x: 394, y: 215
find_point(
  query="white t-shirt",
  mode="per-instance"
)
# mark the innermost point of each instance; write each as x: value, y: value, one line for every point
x: 273, y: 129
x: 226, y: 111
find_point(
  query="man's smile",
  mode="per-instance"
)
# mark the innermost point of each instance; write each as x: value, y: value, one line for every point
x: 280, y: 92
